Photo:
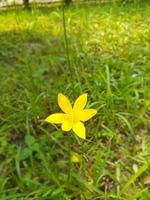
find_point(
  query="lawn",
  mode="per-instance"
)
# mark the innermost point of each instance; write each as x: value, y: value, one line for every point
x: 106, y: 53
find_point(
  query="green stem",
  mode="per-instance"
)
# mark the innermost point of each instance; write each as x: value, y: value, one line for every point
x: 69, y: 161
x: 66, y: 42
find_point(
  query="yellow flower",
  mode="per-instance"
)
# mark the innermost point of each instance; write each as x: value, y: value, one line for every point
x: 73, y: 117
x: 75, y: 157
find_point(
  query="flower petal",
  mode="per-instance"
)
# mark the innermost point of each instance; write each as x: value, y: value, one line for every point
x: 80, y: 102
x: 79, y: 130
x: 56, y: 118
x: 66, y: 126
x: 64, y: 103
x: 86, y: 114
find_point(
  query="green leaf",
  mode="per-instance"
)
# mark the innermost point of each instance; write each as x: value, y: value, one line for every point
x: 29, y: 140
x: 25, y: 153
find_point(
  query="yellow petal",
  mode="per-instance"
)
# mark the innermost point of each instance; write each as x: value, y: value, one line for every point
x: 79, y: 130
x: 80, y: 102
x: 86, y: 114
x: 66, y: 126
x: 64, y: 103
x: 56, y: 118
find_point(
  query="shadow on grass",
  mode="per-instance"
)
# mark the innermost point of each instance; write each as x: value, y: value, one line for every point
x: 30, y: 65
x: 24, y: 48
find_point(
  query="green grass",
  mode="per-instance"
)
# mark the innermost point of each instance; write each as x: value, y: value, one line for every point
x: 110, y: 60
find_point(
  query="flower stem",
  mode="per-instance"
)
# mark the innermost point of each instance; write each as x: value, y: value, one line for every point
x: 69, y: 162
x: 66, y: 40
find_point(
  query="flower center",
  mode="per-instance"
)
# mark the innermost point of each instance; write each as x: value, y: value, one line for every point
x: 73, y: 118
